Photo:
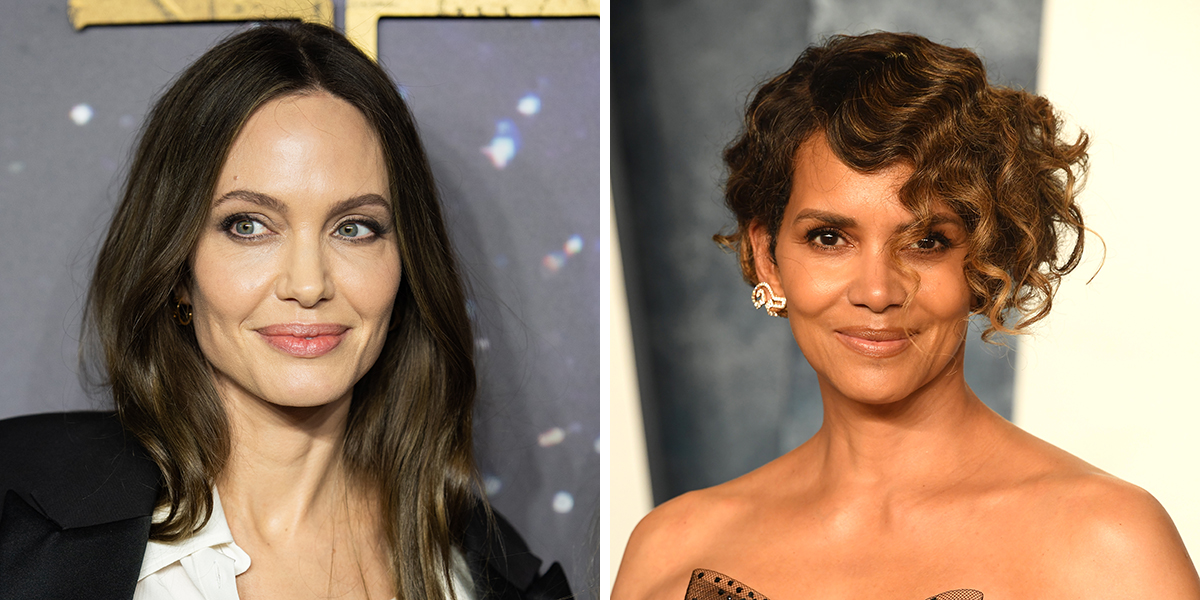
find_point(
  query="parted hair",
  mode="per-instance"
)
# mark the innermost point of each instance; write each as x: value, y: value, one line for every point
x: 408, y: 439
x: 994, y: 155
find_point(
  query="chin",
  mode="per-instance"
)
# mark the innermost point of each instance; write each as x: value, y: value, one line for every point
x: 300, y: 401
x: 873, y: 388
x: 305, y: 389
x: 286, y: 381
x: 875, y: 397
x: 308, y: 397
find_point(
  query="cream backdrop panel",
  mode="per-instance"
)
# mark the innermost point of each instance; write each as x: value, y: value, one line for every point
x: 1111, y: 375
x: 629, y: 492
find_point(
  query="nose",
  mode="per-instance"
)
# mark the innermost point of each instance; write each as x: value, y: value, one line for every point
x: 304, y: 277
x: 877, y: 282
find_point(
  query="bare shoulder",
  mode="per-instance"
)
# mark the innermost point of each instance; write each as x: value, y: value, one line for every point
x: 1123, y: 542
x: 1105, y: 537
x: 675, y: 538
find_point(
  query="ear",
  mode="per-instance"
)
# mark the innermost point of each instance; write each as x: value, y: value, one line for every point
x: 182, y: 294
x: 764, y: 261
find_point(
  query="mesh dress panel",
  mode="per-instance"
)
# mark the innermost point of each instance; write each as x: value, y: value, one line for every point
x: 711, y: 585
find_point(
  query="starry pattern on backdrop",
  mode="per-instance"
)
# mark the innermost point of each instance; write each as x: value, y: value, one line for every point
x: 509, y: 112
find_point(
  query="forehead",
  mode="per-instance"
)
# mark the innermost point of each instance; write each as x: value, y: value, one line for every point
x: 304, y: 145
x: 821, y: 181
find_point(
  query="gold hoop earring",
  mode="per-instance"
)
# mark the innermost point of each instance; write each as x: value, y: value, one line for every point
x: 763, y: 295
x: 182, y: 313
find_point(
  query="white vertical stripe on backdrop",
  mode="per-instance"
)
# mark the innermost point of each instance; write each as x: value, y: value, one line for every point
x: 629, y: 493
x: 1111, y: 374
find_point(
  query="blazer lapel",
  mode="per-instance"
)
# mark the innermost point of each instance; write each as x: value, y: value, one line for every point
x: 502, y: 566
x: 77, y: 498
x: 40, y: 559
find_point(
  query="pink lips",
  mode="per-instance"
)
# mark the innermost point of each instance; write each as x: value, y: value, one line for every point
x: 304, y: 340
x: 874, y: 343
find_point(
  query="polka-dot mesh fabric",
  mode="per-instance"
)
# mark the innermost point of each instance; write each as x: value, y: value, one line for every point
x: 711, y: 585
x: 959, y: 595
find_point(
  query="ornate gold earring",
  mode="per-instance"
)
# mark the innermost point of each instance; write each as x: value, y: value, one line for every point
x: 182, y: 313
x: 763, y: 295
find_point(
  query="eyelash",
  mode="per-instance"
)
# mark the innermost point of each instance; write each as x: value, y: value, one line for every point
x: 374, y: 226
x: 376, y: 229
x: 813, y: 234
x: 228, y: 223
x: 943, y: 242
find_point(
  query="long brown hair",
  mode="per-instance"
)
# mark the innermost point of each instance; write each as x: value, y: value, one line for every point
x: 409, y: 430
x: 994, y: 155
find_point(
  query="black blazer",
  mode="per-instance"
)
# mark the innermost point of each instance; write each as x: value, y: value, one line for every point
x: 77, y: 493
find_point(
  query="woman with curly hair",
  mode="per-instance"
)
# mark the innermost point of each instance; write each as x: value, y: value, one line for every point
x: 884, y: 193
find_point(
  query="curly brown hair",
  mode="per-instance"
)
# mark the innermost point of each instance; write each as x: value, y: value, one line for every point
x: 992, y: 154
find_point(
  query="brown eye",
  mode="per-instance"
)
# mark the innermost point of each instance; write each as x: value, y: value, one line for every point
x: 931, y: 243
x: 825, y: 237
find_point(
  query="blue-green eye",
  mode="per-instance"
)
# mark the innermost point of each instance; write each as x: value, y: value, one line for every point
x: 247, y: 228
x: 354, y: 230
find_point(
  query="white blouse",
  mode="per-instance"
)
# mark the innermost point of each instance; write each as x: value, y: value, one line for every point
x: 205, y: 565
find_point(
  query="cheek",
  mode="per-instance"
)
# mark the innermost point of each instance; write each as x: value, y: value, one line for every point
x: 815, y: 294
x: 370, y: 284
x: 945, y: 294
x: 810, y: 287
x: 227, y: 286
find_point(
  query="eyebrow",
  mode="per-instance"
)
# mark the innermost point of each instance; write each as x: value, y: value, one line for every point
x: 274, y: 204
x: 830, y: 218
x: 845, y: 222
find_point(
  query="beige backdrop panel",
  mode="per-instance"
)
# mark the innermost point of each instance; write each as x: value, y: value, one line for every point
x: 1112, y: 375
x: 629, y: 492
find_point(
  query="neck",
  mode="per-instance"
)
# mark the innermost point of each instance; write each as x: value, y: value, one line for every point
x: 285, y: 470
x: 942, y: 432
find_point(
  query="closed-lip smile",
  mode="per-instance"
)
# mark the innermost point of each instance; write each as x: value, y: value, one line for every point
x: 304, y: 340
x: 875, y: 343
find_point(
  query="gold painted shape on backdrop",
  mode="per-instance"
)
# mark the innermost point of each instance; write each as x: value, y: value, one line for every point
x: 362, y: 16
x: 84, y: 13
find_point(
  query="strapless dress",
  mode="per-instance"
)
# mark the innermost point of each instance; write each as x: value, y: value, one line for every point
x: 711, y: 585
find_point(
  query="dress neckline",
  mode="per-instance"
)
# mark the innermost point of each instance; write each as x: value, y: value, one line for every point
x: 706, y: 584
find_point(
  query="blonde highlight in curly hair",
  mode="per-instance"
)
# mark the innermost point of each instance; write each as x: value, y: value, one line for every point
x: 992, y: 154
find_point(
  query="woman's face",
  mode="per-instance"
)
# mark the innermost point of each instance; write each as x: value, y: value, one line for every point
x: 298, y: 266
x: 835, y: 264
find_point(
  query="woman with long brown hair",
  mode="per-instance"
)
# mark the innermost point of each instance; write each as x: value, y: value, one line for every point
x: 884, y: 192
x: 279, y: 316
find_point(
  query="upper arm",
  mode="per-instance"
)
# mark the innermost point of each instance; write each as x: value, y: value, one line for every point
x: 656, y: 564
x: 1125, y: 545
